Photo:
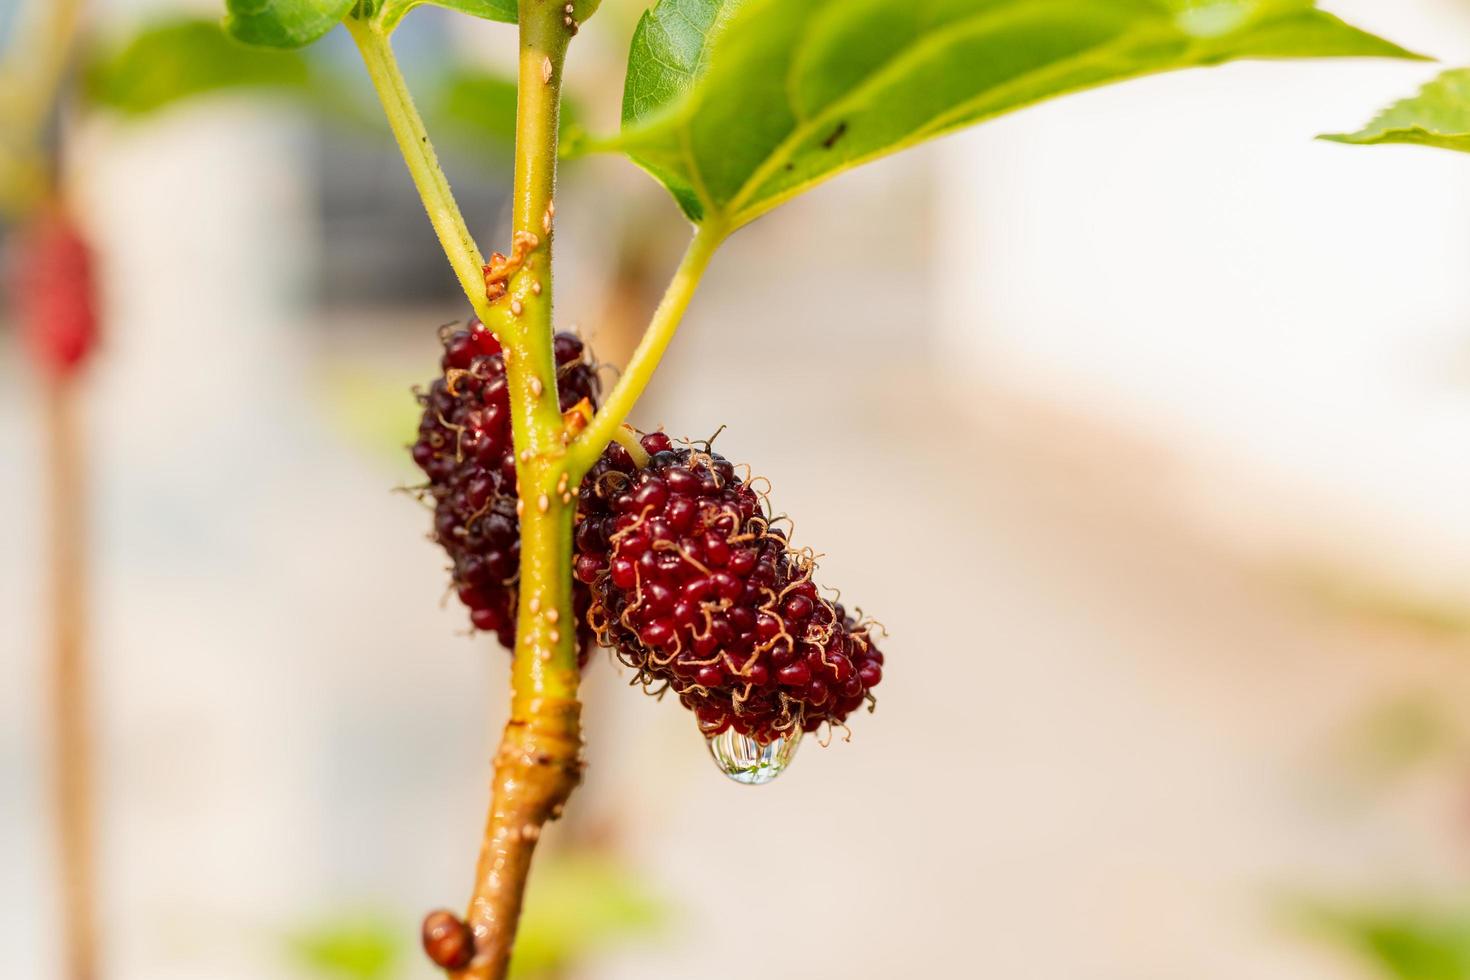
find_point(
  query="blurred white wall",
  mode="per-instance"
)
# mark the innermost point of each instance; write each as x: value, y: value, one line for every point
x: 1178, y: 256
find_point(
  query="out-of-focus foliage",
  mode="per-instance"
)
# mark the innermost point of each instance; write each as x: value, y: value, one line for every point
x: 1384, y: 602
x: 467, y: 101
x: 1439, y: 115
x: 739, y: 105
x: 577, y: 905
x: 373, y: 410
x: 1401, y: 735
x: 1401, y: 942
x: 468, y: 104
x: 179, y: 58
x: 283, y: 23
x: 296, y: 23
x: 358, y: 947
x: 172, y: 61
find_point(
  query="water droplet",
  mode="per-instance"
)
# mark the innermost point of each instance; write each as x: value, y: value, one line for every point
x: 747, y: 761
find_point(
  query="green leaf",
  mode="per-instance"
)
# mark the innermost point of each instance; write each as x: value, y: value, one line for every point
x: 172, y: 60
x: 737, y: 106
x: 670, y: 47
x: 283, y: 23
x: 1438, y: 116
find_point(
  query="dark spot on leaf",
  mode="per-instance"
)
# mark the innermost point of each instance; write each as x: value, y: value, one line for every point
x: 836, y: 135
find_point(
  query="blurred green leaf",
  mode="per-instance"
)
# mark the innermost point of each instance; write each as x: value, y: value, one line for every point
x: 175, y: 59
x: 359, y: 947
x: 577, y: 904
x: 1400, y: 734
x: 1438, y: 116
x: 1401, y: 943
x: 283, y: 23
x: 475, y: 107
x: 739, y: 106
x: 1389, y: 602
x: 375, y: 411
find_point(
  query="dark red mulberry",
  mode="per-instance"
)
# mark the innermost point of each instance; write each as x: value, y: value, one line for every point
x: 464, y: 447
x: 694, y: 588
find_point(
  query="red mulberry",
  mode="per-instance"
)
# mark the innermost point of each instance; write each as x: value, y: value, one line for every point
x: 693, y: 587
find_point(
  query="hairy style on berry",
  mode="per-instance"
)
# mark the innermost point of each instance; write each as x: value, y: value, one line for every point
x: 464, y: 448
x: 695, y: 589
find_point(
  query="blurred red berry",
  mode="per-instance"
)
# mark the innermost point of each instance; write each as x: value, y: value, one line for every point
x: 56, y: 292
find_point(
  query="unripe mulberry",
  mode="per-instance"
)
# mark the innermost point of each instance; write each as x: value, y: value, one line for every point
x: 448, y: 941
x: 694, y: 588
x: 464, y: 448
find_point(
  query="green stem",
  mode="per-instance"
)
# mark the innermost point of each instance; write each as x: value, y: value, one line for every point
x: 423, y: 166
x: 539, y: 761
x: 625, y: 394
x: 531, y: 369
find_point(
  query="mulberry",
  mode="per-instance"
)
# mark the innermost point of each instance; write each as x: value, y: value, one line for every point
x: 464, y: 448
x: 693, y: 587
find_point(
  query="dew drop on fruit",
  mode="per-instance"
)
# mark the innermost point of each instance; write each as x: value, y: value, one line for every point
x: 747, y: 761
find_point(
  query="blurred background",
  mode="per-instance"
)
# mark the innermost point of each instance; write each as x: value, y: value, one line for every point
x: 1141, y: 419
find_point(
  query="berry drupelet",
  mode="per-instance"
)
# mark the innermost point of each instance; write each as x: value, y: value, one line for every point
x: 694, y: 588
x: 464, y: 448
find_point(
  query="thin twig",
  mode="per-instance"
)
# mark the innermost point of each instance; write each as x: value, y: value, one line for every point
x: 70, y: 692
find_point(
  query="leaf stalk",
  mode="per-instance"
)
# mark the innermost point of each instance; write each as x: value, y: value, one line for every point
x: 661, y: 329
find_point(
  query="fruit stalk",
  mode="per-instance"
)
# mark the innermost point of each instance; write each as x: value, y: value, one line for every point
x: 539, y: 760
